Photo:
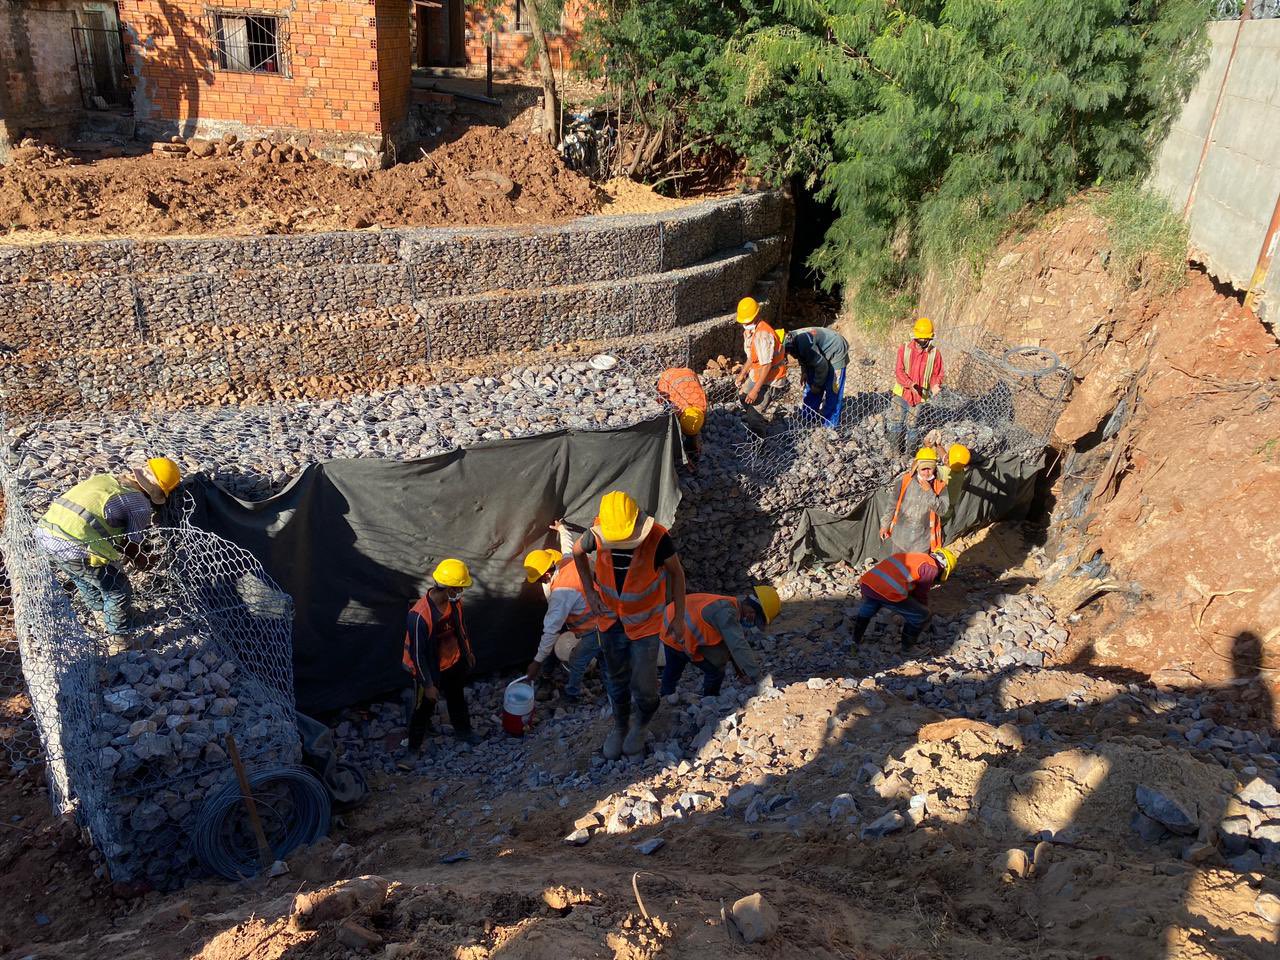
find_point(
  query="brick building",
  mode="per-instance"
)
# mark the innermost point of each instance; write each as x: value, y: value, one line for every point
x: 332, y: 73
x: 453, y: 33
x: 57, y: 57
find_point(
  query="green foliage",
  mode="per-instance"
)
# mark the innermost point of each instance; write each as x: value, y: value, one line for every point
x: 1148, y: 238
x: 928, y: 124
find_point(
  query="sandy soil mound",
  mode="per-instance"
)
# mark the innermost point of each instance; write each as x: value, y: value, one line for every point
x: 452, y: 184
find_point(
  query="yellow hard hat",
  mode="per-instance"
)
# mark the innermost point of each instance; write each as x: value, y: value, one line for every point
x: 538, y: 562
x: 927, y: 454
x: 949, y: 560
x: 691, y: 421
x: 782, y: 337
x: 748, y: 309
x: 451, y: 573
x: 958, y: 455
x: 618, y: 515
x: 923, y: 329
x: 166, y: 472
x: 769, y: 600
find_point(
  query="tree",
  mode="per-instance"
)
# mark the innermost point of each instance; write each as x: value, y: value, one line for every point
x: 927, y: 124
x: 542, y: 12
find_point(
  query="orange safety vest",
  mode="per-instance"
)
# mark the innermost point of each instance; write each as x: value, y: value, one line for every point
x: 760, y: 372
x: 681, y: 387
x: 448, y: 653
x: 638, y: 604
x: 566, y: 578
x: 893, y: 577
x: 697, y: 631
x: 935, y: 524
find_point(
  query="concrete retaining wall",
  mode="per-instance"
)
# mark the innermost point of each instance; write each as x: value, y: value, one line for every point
x: 87, y: 323
x: 1240, y: 181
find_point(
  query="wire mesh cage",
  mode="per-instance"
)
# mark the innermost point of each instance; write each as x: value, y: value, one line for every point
x: 133, y: 717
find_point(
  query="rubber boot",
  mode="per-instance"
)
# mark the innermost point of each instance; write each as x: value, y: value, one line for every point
x: 613, y: 743
x: 633, y: 745
x: 860, y: 629
x: 910, y: 635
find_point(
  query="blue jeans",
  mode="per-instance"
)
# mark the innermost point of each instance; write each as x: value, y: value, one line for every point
x: 827, y: 400
x: 915, y: 613
x: 673, y: 669
x: 903, y: 437
x: 588, y: 649
x: 104, y: 589
x: 631, y: 674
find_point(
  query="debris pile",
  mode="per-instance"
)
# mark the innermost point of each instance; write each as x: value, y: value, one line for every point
x: 258, y: 150
x: 38, y: 155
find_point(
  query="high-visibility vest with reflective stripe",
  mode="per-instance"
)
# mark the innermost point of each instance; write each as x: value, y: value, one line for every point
x: 447, y: 653
x: 681, y: 387
x: 894, y: 577
x: 80, y: 515
x: 935, y: 523
x: 698, y: 632
x: 638, y: 603
x: 773, y: 370
x: 904, y: 353
x: 566, y: 578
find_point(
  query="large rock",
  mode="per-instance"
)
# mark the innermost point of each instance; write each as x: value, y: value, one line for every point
x: 334, y: 903
x: 1165, y: 810
x: 755, y: 918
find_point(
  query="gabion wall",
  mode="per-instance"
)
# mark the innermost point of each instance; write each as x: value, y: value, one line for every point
x: 134, y: 739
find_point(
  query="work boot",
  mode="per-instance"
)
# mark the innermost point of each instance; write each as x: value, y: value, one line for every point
x: 633, y: 745
x: 469, y: 737
x: 613, y: 743
x: 860, y: 629
x: 910, y: 635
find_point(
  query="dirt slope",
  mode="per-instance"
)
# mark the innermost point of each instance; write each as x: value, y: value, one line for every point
x: 184, y: 195
x: 1180, y: 485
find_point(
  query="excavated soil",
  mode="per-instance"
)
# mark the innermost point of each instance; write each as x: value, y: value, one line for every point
x: 1170, y: 442
x: 161, y: 195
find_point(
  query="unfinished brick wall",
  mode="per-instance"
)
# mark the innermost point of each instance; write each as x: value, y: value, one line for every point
x: 511, y: 45
x: 342, y: 80
x: 39, y: 81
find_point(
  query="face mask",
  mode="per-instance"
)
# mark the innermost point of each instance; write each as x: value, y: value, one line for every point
x: 454, y: 595
x: 750, y: 327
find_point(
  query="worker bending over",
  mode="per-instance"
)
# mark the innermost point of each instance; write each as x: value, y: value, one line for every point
x: 902, y: 583
x: 630, y: 573
x: 823, y: 356
x: 918, y: 375
x: 567, y: 609
x: 715, y: 636
x: 763, y: 377
x: 680, y: 387
x: 916, y: 523
x: 99, y: 522
x: 437, y: 652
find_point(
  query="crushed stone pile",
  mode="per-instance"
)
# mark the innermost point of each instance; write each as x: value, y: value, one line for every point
x: 255, y: 451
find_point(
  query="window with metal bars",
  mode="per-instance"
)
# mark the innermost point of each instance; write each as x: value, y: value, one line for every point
x: 250, y: 42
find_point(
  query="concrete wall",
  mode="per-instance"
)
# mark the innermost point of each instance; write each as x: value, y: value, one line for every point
x: 1240, y: 181
x: 39, y: 82
x: 85, y: 322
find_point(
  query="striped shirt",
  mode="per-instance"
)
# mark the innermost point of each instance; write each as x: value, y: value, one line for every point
x: 130, y: 510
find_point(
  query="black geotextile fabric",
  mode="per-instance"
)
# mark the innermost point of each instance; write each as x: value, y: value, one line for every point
x: 354, y: 541
x: 1000, y: 488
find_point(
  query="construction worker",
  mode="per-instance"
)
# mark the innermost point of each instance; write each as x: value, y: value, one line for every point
x: 566, y: 610
x: 916, y: 523
x: 902, y: 582
x: 953, y: 474
x: 630, y: 560
x: 437, y: 653
x: 763, y: 377
x: 918, y: 375
x: 680, y: 387
x: 88, y: 530
x: 714, y: 637
x: 823, y: 356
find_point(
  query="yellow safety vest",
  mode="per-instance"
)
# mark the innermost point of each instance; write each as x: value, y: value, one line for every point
x: 80, y: 515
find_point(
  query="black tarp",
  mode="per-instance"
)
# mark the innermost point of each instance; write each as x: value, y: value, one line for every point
x: 999, y: 488
x: 353, y: 542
